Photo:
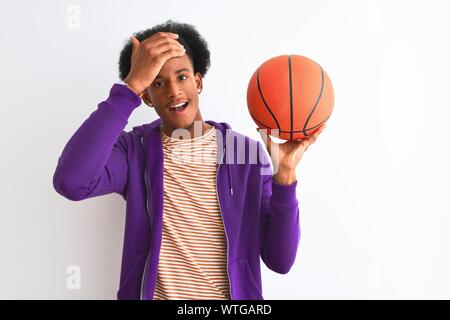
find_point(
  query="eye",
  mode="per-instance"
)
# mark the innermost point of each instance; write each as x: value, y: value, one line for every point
x: 160, y: 83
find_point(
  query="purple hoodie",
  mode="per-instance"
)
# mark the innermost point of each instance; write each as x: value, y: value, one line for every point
x: 260, y: 216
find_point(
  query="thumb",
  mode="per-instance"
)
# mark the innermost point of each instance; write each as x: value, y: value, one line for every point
x: 266, y: 138
x: 134, y: 44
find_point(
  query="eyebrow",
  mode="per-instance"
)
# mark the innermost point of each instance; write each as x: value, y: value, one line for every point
x: 176, y: 72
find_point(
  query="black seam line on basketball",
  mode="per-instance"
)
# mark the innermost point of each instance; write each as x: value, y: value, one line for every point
x: 309, y: 129
x: 317, y: 102
x: 264, y: 101
x: 290, y: 95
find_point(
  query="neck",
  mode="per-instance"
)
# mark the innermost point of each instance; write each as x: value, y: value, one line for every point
x: 196, y: 129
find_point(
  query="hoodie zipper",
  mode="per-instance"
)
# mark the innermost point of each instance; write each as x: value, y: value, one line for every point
x: 144, y: 276
x: 223, y: 222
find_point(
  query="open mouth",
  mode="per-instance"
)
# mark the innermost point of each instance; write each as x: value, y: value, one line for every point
x: 179, y: 108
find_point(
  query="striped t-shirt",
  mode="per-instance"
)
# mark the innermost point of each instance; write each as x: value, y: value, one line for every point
x: 193, y: 256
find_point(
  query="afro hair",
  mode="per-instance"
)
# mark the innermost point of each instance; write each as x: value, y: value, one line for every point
x: 196, y: 47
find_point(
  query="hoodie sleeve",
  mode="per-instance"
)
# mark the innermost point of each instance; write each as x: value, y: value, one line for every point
x: 279, y: 224
x: 94, y: 161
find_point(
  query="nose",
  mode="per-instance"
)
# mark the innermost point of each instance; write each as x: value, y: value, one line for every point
x: 173, y: 90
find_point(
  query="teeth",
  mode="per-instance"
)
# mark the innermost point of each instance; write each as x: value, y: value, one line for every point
x: 178, y: 105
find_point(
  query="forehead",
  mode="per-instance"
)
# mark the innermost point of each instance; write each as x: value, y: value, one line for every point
x: 175, y: 64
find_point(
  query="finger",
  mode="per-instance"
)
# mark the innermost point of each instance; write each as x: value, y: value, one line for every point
x: 134, y: 44
x: 269, y: 143
x: 312, y: 139
x: 320, y: 130
x: 171, y: 53
x: 263, y: 134
x: 173, y: 35
x: 161, y: 37
x: 303, y: 144
x: 316, y: 133
x: 164, y: 47
x: 265, y: 137
x: 154, y: 43
x: 163, y: 34
x: 134, y: 41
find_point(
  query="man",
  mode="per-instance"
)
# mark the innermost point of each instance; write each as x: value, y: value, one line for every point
x: 195, y: 225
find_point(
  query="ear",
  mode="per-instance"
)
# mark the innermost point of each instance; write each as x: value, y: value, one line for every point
x: 199, y: 82
x: 146, y: 98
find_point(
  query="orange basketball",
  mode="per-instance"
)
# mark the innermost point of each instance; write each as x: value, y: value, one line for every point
x: 290, y: 93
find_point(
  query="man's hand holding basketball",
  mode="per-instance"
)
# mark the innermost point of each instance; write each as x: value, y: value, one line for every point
x: 286, y: 156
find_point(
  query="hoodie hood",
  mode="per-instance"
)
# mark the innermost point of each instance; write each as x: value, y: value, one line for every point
x: 143, y: 130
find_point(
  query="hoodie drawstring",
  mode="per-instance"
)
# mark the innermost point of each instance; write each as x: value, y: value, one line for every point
x: 230, y: 181
x: 142, y: 129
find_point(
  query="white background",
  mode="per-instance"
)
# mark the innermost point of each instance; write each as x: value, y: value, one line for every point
x: 373, y: 190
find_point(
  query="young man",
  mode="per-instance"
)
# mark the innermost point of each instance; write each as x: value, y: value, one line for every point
x: 195, y: 226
